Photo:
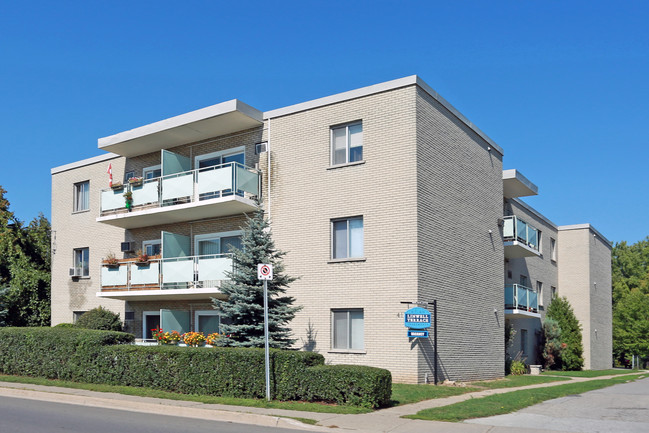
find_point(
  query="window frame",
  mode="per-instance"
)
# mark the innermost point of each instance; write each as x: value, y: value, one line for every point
x: 213, y: 236
x: 539, y: 293
x: 220, y: 154
x: 350, y: 342
x: 151, y: 169
x: 75, y: 197
x: 75, y: 251
x: 348, y: 146
x: 524, y: 341
x: 199, y: 313
x: 145, y: 314
x: 332, y: 235
x: 146, y: 243
x: 553, y: 249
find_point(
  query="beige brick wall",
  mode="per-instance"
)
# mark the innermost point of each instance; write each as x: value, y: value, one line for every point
x: 585, y: 279
x: 80, y: 230
x: 459, y: 196
x: 307, y: 194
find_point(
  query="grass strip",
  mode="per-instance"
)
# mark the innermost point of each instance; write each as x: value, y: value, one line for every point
x: 302, y: 420
x: 589, y: 373
x: 154, y: 393
x: 406, y: 394
x: 512, y: 401
x: 516, y: 381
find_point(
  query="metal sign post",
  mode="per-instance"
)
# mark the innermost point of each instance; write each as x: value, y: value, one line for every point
x: 418, y: 319
x: 265, y: 273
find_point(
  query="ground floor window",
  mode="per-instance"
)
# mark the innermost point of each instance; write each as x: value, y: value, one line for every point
x: 524, y: 341
x: 207, y: 322
x: 347, y: 329
x: 76, y: 315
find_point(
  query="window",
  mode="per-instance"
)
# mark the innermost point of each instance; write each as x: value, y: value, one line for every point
x: 152, y: 247
x: 524, y: 341
x: 217, y: 243
x: 523, y: 280
x: 76, y: 315
x: 207, y: 321
x: 81, y: 257
x: 554, y: 291
x: 347, y: 238
x: 81, y: 196
x: 553, y: 249
x: 128, y: 175
x: 151, y: 172
x: 347, y: 329
x: 347, y: 143
x: 226, y: 158
x: 539, y: 291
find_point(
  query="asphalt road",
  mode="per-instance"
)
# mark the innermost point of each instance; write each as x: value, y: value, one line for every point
x: 616, y: 409
x: 32, y: 416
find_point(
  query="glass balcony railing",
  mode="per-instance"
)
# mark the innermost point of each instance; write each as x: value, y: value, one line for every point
x: 519, y: 297
x: 515, y: 229
x: 172, y: 273
x: 185, y: 187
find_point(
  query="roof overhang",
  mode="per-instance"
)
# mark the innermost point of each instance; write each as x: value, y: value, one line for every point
x: 220, y: 119
x: 517, y: 185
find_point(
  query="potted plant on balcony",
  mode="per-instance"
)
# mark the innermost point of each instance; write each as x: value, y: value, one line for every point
x: 194, y: 339
x: 111, y: 261
x: 142, y: 258
x: 128, y: 198
x: 117, y: 186
x: 136, y: 181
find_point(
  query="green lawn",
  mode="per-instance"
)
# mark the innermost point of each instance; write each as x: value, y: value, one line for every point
x: 406, y: 394
x: 516, y: 381
x: 589, y: 373
x: 148, y: 392
x: 512, y: 401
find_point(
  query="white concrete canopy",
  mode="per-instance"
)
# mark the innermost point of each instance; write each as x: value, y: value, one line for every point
x: 162, y: 295
x: 220, y: 119
x: 517, y: 185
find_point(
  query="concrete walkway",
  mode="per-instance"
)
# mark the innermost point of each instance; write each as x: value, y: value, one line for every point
x: 384, y: 420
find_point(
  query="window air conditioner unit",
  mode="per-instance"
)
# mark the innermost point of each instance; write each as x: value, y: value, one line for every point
x: 75, y: 272
x: 127, y: 247
x: 261, y: 147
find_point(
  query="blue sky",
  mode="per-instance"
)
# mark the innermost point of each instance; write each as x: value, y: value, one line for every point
x: 563, y: 87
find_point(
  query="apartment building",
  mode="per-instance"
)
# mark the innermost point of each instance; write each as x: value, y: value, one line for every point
x: 381, y: 196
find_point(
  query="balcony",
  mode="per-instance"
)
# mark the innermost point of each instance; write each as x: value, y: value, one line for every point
x: 521, y: 300
x: 520, y: 238
x: 221, y: 190
x: 192, y: 277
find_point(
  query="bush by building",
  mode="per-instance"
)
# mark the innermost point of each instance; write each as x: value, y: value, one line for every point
x: 101, y: 319
x: 93, y: 356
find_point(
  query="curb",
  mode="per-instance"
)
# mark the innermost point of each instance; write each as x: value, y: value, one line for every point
x: 161, y: 409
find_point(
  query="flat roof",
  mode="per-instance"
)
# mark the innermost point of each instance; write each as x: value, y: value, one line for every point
x: 378, y: 88
x: 517, y: 185
x: 220, y: 119
x: 83, y: 163
x: 586, y: 226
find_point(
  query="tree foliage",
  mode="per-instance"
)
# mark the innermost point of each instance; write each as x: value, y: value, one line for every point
x: 630, y: 275
x: 552, y: 346
x: 24, y: 269
x: 571, y: 356
x: 243, y: 311
x: 101, y: 319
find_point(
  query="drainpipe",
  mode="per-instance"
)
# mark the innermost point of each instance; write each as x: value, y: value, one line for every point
x: 269, y: 175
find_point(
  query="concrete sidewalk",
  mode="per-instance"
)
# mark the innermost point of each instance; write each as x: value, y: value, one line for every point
x: 384, y: 420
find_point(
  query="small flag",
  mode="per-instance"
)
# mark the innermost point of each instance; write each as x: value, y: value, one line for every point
x: 110, y: 175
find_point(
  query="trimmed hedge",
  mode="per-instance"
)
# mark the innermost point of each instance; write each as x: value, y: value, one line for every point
x: 100, y: 318
x: 103, y: 357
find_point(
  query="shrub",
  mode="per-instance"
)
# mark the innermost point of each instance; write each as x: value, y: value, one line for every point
x: 64, y: 325
x: 552, y: 346
x: 518, y: 368
x: 370, y: 387
x: 101, y: 319
x: 572, y: 354
x: 93, y: 356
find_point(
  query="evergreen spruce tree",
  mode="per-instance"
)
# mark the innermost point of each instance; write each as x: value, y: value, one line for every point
x: 571, y: 357
x: 243, y: 311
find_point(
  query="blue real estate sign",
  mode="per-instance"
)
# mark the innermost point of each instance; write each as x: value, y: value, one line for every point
x: 416, y: 319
